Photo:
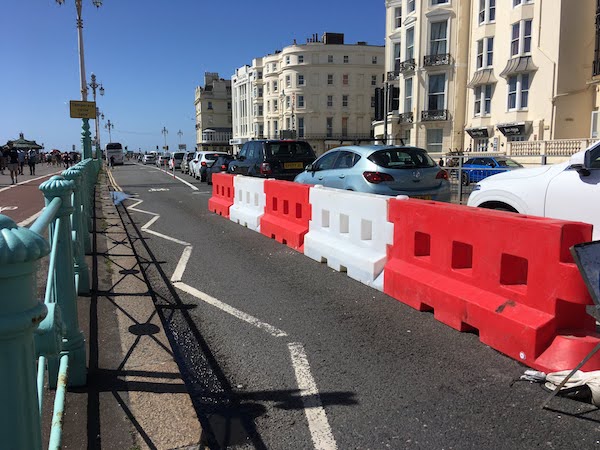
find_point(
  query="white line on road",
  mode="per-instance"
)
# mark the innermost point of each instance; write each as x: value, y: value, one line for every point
x: 27, y: 221
x: 29, y: 181
x: 183, y: 260
x: 230, y: 310
x: 318, y: 424
x: 180, y: 179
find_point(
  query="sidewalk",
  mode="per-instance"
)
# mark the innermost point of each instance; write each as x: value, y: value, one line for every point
x: 135, y: 397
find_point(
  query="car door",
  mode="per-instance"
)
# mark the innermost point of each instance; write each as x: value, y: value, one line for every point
x: 575, y: 196
x: 340, y: 174
x: 240, y: 165
x: 323, y: 170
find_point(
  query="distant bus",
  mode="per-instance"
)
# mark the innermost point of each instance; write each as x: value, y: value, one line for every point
x: 115, y: 150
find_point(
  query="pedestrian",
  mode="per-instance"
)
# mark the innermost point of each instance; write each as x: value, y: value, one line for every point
x: 3, y: 159
x: 21, y: 154
x: 66, y: 160
x: 112, y: 162
x: 441, y: 162
x: 32, y: 161
x: 13, y: 164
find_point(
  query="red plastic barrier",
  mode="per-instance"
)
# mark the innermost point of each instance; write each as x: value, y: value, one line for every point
x: 287, y: 212
x: 222, y: 196
x: 509, y: 276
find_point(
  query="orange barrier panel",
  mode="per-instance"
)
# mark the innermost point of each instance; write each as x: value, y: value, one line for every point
x: 287, y: 212
x: 222, y: 195
x: 509, y: 276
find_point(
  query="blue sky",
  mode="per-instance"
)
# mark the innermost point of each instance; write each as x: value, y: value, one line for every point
x: 149, y: 56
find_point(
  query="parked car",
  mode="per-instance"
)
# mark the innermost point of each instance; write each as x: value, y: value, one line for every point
x: 149, y: 158
x: 175, y: 159
x: 219, y: 165
x: 380, y: 169
x: 185, y: 162
x: 566, y: 191
x: 202, y: 160
x: 161, y: 161
x: 281, y: 159
x: 480, y: 167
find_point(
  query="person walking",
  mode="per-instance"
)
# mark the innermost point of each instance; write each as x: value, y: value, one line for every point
x: 21, y: 154
x: 112, y: 162
x: 3, y: 159
x: 66, y: 160
x: 13, y: 164
x: 32, y: 161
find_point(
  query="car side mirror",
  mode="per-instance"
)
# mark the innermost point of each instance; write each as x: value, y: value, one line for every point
x: 581, y: 170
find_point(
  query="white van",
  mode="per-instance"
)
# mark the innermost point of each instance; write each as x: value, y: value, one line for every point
x: 114, y: 150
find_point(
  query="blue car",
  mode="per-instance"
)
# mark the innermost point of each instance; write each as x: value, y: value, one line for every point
x: 380, y: 169
x: 476, y: 169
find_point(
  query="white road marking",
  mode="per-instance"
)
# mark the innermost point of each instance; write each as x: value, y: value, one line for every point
x: 31, y: 219
x: 8, y: 208
x: 318, y: 424
x: 181, y: 265
x: 180, y: 179
x: 29, y: 181
x: 230, y: 310
x: 158, y: 189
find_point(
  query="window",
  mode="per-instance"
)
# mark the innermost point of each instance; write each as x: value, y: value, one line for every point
x: 374, y: 60
x: 287, y: 60
x: 288, y: 102
x: 410, y: 43
x: 300, y: 127
x: 326, y: 161
x: 329, y: 126
x: 483, y: 100
x: 330, y: 101
x: 260, y: 92
x: 274, y: 67
x: 487, y: 11
x: 372, y: 101
x: 436, y: 98
x: 345, y: 79
x: 521, y: 2
x: 260, y: 110
x: 268, y: 105
x: 485, y: 52
x: 518, y: 92
x: 301, y: 101
x: 521, y: 38
x: 300, y: 80
x: 300, y: 59
x: 330, y: 78
x: 259, y: 75
x: 345, y: 101
x: 397, y: 58
x: 275, y: 127
x: 288, y: 81
x: 346, y: 59
x: 345, y: 127
x: 435, y: 140
x: 410, y: 5
x: 210, y: 105
x: 330, y: 59
x: 439, y: 2
x: 275, y: 87
x: 275, y: 105
x: 438, y: 38
x: 398, y: 16
x: 373, y: 80
x: 408, y: 88
x: 229, y: 106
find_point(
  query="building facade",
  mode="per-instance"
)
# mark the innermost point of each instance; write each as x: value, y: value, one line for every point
x: 213, y: 114
x: 424, y: 84
x: 321, y: 91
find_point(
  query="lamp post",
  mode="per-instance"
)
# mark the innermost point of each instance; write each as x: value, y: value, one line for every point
x: 180, y: 133
x: 87, y: 144
x: 108, y: 126
x: 164, y: 131
x: 95, y: 85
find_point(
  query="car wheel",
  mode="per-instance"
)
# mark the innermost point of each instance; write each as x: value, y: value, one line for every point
x: 464, y: 179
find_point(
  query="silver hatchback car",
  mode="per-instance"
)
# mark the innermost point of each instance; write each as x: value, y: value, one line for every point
x: 380, y: 169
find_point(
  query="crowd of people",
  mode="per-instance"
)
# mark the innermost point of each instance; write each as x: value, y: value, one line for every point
x: 14, y: 160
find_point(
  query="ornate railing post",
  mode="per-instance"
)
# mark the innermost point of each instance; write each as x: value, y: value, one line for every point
x: 64, y: 282
x: 20, y: 314
x: 81, y: 238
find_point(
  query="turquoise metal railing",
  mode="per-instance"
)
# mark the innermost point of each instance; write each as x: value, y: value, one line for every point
x: 47, y: 332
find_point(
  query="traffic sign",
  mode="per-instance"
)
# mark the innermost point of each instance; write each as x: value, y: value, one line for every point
x: 82, y: 110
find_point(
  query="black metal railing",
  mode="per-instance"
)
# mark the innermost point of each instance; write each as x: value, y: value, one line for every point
x: 434, y: 114
x: 406, y: 117
x: 443, y: 59
x: 408, y: 66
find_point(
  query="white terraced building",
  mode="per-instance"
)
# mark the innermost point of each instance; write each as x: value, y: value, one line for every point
x: 321, y: 91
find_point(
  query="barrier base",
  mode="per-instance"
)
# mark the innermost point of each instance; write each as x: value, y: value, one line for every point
x: 245, y: 217
x: 219, y: 206
x: 291, y: 234
x: 567, y: 350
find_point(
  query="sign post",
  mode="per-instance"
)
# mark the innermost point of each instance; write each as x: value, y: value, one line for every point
x: 82, y: 110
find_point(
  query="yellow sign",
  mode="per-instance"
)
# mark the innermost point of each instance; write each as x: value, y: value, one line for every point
x: 83, y: 110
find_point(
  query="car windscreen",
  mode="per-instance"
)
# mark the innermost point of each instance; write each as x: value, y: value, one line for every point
x: 190, y: 156
x: 289, y: 150
x: 178, y: 156
x: 212, y: 157
x: 508, y: 163
x: 402, y: 158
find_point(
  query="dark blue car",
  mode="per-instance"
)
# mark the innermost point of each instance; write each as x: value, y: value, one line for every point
x: 478, y: 168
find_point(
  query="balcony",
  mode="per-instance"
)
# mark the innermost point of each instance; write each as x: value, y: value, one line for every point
x: 406, y: 117
x: 433, y: 115
x: 443, y: 59
x: 408, y: 66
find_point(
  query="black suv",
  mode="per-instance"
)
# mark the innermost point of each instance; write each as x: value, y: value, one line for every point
x: 282, y: 160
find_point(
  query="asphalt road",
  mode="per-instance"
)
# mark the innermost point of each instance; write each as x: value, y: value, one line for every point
x: 253, y: 322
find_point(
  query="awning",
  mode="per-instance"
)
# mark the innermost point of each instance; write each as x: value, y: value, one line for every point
x: 514, y: 128
x: 481, y: 77
x: 519, y: 65
x: 478, y: 133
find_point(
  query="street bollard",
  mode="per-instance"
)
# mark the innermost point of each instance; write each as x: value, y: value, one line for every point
x: 20, y: 314
x: 81, y: 246
x: 64, y: 279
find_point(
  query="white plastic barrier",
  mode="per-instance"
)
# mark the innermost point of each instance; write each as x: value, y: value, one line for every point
x: 248, y: 202
x: 350, y: 231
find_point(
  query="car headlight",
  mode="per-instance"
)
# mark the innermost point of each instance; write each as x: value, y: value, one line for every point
x: 477, y: 187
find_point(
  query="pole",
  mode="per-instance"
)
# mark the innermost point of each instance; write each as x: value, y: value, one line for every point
x: 85, y: 135
x: 385, y: 112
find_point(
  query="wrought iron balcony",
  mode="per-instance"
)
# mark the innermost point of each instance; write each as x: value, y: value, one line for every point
x: 443, y: 59
x: 406, y: 117
x: 434, y: 114
x: 393, y: 76
x: 408, y: 65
